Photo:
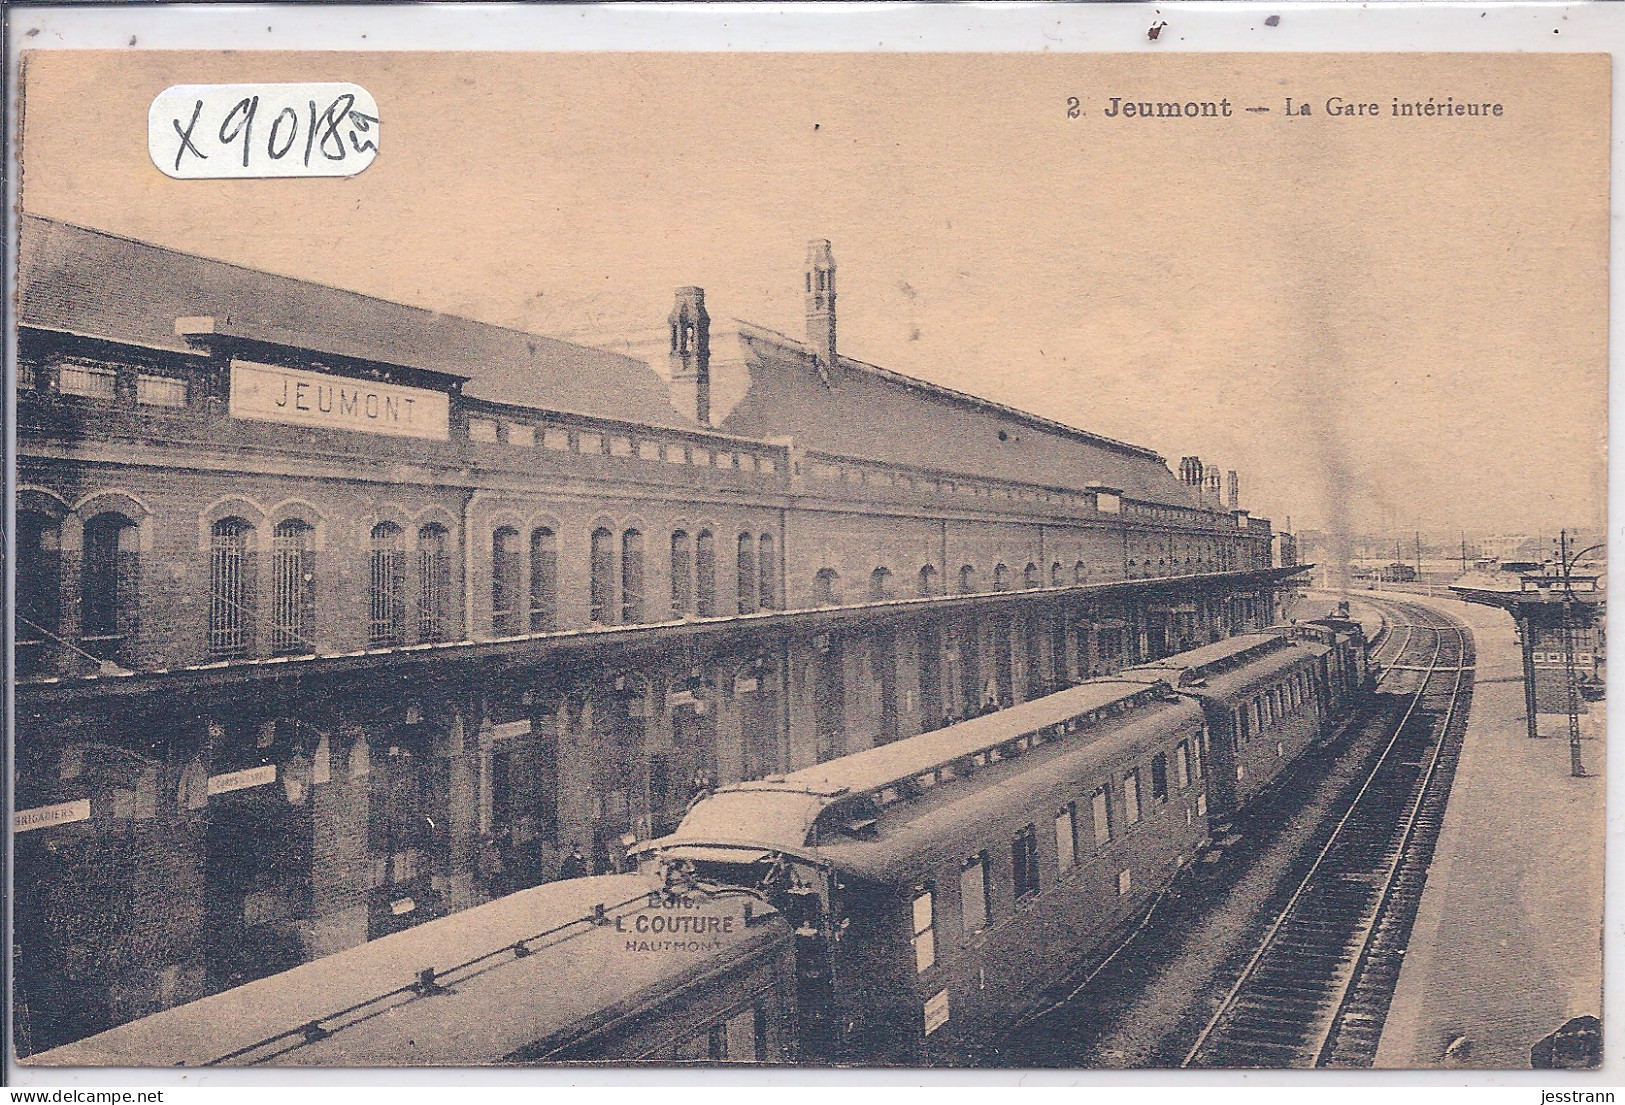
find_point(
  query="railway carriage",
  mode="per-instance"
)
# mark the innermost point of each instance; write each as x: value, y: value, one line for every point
x: 617, y: 968
x: 1262, y: 697
x: 940, y: 883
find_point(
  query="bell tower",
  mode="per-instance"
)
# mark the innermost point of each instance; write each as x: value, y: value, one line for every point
x: 821, y: 309
x: 691, y: 355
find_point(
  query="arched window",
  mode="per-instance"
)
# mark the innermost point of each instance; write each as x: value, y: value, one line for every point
x: 386, y: 597
x: 505, y: 581
x: 682, y: 575
x: 1030, y: 577
x: 967, y: 580
x: 631, y: 577
x: 600, y: 578
x: 824, y: 584
x: 705, y: 575
x: 747, y: 574
x: 1057, y: 577
x: 39, y: 587
x: 544, y: 580
x: 879, y: 585
x: 1079, y: 572
x: 928, y: 581
x: 232, y: 589
x: 111, y: 586
x: 293, y: 588
x: 1001, y: 578
x: 434, y: 583
x: 768, y: 572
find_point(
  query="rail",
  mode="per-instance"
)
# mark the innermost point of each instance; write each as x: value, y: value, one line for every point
x: 1230, y: 1007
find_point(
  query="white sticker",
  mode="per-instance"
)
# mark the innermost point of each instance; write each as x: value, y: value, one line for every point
x: 43, y: 817
x: 254, y: 131
x: 936, y: 1011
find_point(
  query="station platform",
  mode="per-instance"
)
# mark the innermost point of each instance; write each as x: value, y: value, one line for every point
x: 1507, y: 944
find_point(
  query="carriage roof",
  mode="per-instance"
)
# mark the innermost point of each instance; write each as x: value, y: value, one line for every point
x: 575, y: 979
x: 882, y: 812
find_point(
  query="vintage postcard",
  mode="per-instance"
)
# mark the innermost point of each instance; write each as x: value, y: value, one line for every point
x: 932, y: 559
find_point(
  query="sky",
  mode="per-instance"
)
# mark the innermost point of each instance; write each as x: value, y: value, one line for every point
x: 1380, y: 322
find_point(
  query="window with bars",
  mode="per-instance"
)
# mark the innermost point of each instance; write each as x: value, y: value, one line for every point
x: 293, y: 588
x: 544, y: 580
x: 386, y: 596
x: 434, y: 583
x: 505, y: 568
x: 746, y: 574
x: 160, y: 391
x: 1024, y: 861
x: 682, y: 575
x: 767, y: 573
x: 1182, y: 765
x: 1001, y: 577
x: 86, y: 381
x: 879, y: 585
x: 1031, y: 579
x: 631, y: 577
x: 232, y: 589
x: 110, y: 586
x: 967, y: 580
x: 928, y: 581
x: 601, y: 583
x: 705, y: 575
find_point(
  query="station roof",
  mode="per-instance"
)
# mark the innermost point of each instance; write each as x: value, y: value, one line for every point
x: 883, y: 415
x: 102, y: 285
x: 568, y: 985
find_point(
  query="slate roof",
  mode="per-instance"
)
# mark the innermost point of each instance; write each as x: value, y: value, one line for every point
x: 883, y: 415
x: 104, y: 285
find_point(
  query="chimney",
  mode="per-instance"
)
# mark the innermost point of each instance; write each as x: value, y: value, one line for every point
x: 1234, y: 484
x: 691, y: 355
x: 821, y: 309
x: 1190, y: 472
x: 1213, y: 486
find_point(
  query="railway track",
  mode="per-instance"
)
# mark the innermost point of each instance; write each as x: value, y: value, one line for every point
x: 1316, y: 992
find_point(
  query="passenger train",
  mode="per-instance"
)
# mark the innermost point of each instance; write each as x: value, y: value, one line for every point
x: 901, y: 905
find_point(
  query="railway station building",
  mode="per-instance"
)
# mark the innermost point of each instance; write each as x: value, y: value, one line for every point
x: 334, y: 615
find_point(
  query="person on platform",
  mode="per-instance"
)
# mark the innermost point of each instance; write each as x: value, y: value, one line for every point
x: 574, y: 865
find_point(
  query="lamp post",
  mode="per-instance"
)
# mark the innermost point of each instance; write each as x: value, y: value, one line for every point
x: 1570, y: 680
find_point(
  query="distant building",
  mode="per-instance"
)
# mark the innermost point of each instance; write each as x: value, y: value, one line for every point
x: 335, y: 614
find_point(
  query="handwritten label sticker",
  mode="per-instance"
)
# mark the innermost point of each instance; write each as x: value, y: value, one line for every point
x: 256, y: 131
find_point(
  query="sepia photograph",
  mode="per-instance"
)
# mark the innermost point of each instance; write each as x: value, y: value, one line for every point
x: 980, y: 560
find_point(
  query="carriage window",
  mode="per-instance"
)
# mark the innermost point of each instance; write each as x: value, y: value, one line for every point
x: 745, y: 1039
x: 1024, y: 861
x: 1066, y: 838
x: 1131, y: 796
x: 974, y: 906
x: 1242, y: 717
x: 1100, y: 804
x: 1182, y: 765
x: 1196, y: 753
x: 1159, y: 777
x: 925, y: 939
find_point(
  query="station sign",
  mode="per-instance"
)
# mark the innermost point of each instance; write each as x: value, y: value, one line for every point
x: 242, y: 780
x: 44, y: 817
x: 270, y: 393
